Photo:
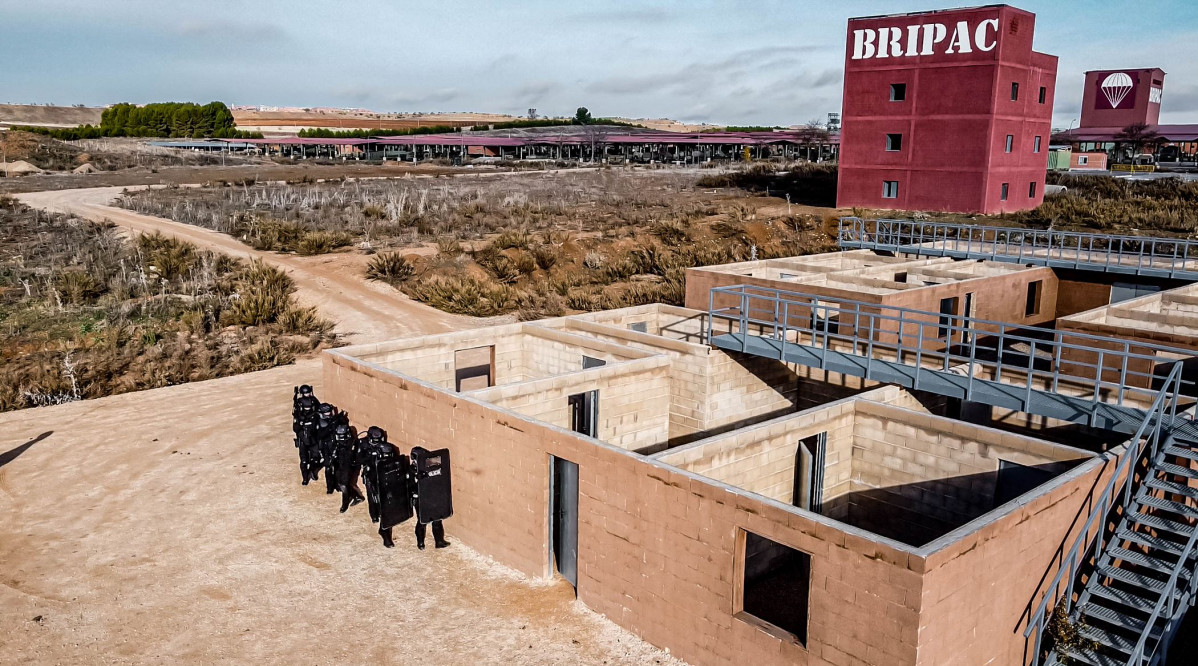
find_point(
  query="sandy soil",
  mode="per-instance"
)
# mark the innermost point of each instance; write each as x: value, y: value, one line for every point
x: 170, y: 526
x: 363, y: 311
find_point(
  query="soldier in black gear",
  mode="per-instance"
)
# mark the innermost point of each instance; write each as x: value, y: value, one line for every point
x: 299, y: 400
x: 427, y: 465
x: 328, y: 418
x: 385, y: 472
x: 306, y: 439
x: 346, y: 466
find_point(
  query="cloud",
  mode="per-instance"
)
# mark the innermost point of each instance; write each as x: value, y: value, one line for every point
x: 220, y: 29
x: 637, y: 17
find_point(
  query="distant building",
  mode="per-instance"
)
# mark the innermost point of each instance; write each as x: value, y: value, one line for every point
x: 945, y: 111
x: 1118, y: 98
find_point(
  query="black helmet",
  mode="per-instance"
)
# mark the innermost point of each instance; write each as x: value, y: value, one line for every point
x: 325, y: 408
x: 374, y: 432
x: 341, y: 430
x: 305, y: 390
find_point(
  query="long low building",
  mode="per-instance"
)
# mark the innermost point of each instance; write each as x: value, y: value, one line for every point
x: 592, y: 142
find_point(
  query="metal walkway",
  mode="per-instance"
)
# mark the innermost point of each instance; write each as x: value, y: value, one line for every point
x: 1126, y: 580
x: 1131, y: 255
x: 1100, y: 382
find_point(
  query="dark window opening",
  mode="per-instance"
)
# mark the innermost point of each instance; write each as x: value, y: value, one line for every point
x: 894, y: 142
x: 1043, y: 94
x: 1036, y: 145
x: 890, y: 189
x: 900, y: 277
x: 589, y: 362
x: 1034, y: 290
x: 1014, y: 92
x: 639, y: 327
x: 584, y: 413
x: 898, y: 92
x: 948, y: 308
x: 1005, y: 188
x: 1031, y: 190
x: 777, y: 585
x: 1010, y: 142
x: 824, y: 319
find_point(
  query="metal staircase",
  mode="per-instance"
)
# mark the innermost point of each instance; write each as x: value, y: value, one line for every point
x: 1144, y: 576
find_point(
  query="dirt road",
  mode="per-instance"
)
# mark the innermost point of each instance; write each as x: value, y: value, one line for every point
x: 364, y: 311
x: 169, y: 526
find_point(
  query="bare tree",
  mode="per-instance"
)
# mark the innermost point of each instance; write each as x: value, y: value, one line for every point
x: 1137, y: 136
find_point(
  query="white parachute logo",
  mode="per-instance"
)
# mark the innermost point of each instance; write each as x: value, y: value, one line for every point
x: 1115, y: 87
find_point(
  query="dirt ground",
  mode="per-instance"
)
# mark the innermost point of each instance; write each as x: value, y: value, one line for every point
x: 170, y: 526
x: 363, y: 311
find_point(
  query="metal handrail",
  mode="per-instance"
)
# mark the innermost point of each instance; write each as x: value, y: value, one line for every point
x: 1112, y: 354
x: 1014, y: 242
x: 1082, y: 545
x: 1137, y: 655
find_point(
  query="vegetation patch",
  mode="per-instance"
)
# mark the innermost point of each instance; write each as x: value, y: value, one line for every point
x: 84, y: 313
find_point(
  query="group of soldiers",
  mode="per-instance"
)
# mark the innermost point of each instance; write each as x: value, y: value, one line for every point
x: 398, y: 487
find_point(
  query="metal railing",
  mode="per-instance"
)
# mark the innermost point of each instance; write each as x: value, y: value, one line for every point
x: 1167, y: 606
x: 1117, y: 492
x: 1099, y: 369
x: 1142, y: 254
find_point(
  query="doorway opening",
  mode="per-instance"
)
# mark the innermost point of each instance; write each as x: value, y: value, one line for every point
x: 584, y: 413
x: 563, y: 518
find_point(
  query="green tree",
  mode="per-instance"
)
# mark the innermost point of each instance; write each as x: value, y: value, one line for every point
x: 582, y: 116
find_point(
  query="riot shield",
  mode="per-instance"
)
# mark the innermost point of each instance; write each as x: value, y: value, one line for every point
x: 395, y: 498
x: 433, y: 490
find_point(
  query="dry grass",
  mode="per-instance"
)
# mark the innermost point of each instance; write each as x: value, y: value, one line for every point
x: 1118, y: 204
x: 535, y: 246
x: 84, y: 313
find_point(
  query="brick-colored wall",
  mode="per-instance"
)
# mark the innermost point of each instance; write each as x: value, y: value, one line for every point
x: 657, y: 546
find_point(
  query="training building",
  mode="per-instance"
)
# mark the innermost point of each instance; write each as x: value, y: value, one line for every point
x: 877, y: 456
x: 945, y: 111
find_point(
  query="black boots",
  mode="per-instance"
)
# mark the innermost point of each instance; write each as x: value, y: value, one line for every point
x: 438, y: 535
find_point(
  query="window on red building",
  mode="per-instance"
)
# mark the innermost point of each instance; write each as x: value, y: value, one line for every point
x: 1010, y: 142
x: 1031, y: 190
x: 898, y: 92
x: 1036, y: 146
x: 1005, y: 188
x: 890, y: 189
x: 1014, y: 92
x: 1043, y: 94
x: 894, y: 142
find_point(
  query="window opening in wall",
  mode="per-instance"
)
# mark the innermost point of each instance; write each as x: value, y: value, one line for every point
x: 1083, y: 160
x: 809, y: 473
x: 1043, y: 94
x: 1036, y: 145
x: 1034, y: 290
x: 1031, y: 190
x: 898, y: 92
x: 474, y: 368
x: 1014, y: 92
x: 948, y: 308
x: 890, y: 189
x: 1006, y: 187
x: 1010, y: 142
x: 775, y: 587
x: 584, y: 413
x: 967, y: 312
x: 589, y: 362
x: 563, y: 518
x: 824, y: 318
x: 639, y: 327
x: 894, y: 142
x: 900, y: 277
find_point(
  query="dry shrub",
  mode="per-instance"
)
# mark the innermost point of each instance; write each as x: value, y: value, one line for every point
x: 389, y: 267
x: 544, y: 256
x: 322, y: 242
x: 465, y: 295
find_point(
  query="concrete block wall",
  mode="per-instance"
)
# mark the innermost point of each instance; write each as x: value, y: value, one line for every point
x: 761, y: 458
x: 916, y: 476
x: 432, y: 358
x: 634, y: 400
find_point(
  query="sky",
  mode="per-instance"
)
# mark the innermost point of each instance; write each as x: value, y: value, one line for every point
x: 758, y: 62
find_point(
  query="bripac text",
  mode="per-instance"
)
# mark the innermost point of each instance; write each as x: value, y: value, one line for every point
x: 925, y: 39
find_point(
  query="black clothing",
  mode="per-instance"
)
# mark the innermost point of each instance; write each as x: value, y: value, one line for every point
x: 346, y: 467
x: 385, y: 472
x: 438, y: 535
x: 326, y: 425
x: 305, y: 424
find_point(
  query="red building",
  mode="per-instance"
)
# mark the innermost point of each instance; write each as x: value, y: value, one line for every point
x: 1122, y: 97
x: 945, y: 111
